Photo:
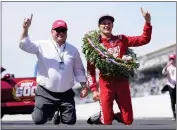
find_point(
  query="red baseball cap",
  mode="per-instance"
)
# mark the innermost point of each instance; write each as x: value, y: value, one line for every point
x: 172, y: 56
x: 59, y: 23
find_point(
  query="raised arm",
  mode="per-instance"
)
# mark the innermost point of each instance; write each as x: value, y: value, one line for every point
x: 25, y: 43
x: 164, y: 71
x: 145, y: 38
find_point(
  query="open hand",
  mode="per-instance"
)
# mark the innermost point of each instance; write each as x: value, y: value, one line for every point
x: 27, y: 22
x: 146, y: 15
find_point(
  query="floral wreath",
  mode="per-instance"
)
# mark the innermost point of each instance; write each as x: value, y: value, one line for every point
x: 97, y: 54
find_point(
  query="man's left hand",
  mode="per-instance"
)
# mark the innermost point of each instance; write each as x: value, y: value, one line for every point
x: 146, y: 15
x: 84, y: 92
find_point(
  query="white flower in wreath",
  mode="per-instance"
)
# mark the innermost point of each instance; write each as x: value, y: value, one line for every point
x: 114, y: 51
x: 127, y: 58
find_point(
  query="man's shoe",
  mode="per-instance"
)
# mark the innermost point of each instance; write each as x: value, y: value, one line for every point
x: 95, y: 119
x: 50, y: 117
x: 117, y: 118
x: 173, y: 119
x: 56, y: 118
x: 174, y: 116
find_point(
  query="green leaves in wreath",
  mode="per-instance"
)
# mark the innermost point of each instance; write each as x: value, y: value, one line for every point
x: 103, y: 63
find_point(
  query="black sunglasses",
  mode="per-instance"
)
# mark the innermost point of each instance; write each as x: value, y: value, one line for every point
x: 59, y: 30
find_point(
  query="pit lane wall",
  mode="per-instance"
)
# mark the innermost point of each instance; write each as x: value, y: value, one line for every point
x: 157, y: 106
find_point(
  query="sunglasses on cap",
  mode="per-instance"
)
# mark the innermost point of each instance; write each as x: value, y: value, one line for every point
x: 59, y: 30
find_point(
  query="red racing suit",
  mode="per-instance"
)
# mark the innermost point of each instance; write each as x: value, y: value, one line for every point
x: 116, y: 88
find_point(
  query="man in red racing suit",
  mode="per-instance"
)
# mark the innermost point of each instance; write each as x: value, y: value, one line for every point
x: 115, y: 88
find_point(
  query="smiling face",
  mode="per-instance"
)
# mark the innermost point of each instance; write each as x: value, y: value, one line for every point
x: 59, y: 35
x: 105, y: 27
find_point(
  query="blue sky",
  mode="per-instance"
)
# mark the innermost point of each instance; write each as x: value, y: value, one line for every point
x: 81, y: 18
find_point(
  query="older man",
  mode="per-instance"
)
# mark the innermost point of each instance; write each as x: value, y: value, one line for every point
x: 59, y: 63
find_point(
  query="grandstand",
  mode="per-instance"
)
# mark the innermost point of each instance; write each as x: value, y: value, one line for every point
x: 148, y: 79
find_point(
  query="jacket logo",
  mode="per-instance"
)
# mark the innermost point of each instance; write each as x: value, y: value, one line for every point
x: 115, y: 51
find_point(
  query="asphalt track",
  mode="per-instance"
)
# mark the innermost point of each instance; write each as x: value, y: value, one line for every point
x: 147, y: 124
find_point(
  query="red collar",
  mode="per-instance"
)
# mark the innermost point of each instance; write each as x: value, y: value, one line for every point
x: 106, y: 39
x: 112, y: 38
